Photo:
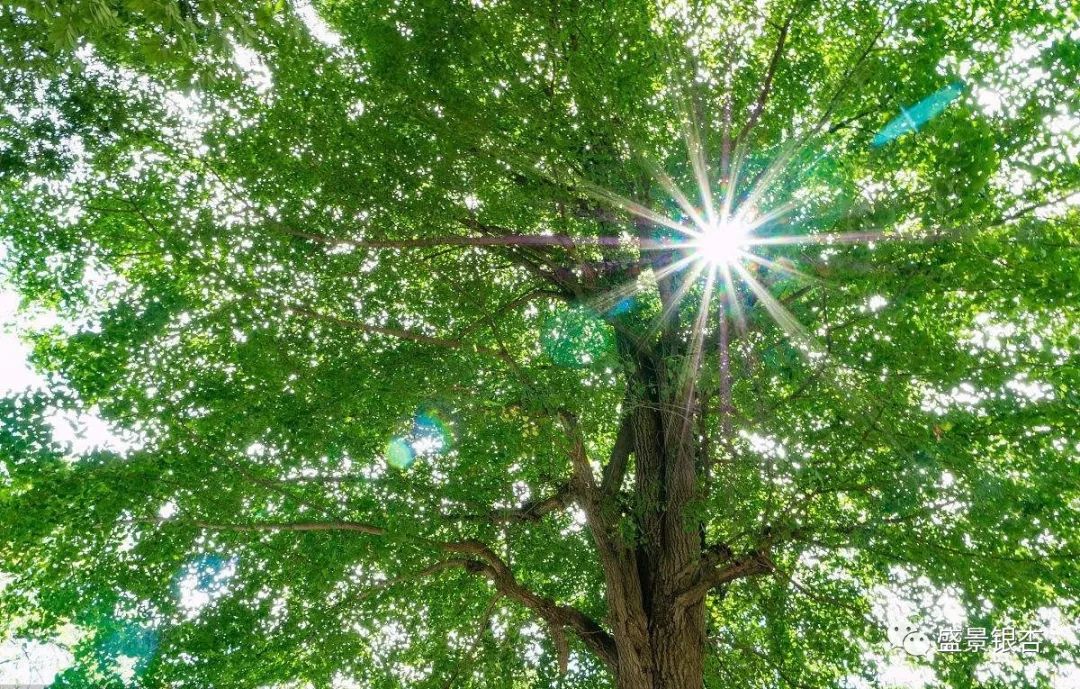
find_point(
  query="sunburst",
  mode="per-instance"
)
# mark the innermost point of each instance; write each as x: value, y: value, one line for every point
x: 718, y: 244
x: 722, y: 242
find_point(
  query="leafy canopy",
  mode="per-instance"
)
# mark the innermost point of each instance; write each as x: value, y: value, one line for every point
x: 250, y: 216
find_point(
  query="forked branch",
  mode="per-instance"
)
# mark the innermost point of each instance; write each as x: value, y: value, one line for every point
x: 471, y: 555
x: 532, y: 511
x: 709, y: 577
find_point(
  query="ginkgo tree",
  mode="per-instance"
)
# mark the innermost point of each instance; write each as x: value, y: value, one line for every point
x: 506, y: 344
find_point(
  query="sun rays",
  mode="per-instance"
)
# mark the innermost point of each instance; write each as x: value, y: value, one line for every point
x: 719, y: 248
x: 717, y: 244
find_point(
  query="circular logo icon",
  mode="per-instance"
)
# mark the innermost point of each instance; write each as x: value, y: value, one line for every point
x: 917, y: 643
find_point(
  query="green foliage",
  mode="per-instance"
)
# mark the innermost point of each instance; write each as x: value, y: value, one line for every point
x: 205, y: 232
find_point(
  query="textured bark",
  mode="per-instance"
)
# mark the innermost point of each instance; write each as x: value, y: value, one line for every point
x: 660, y: 637
x: 657, y: 569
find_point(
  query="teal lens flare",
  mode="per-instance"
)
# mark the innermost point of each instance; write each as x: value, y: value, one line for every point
x: 913, y: 118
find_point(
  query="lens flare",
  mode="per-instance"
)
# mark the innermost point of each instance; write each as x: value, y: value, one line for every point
x: 576, y: 338
x: 913, y: 118
x: 431, y: 434
x: 130, y: 640
x: 203, y: 580
x: 399, y: 454
x: 428, y: 437
x: 120, y: 641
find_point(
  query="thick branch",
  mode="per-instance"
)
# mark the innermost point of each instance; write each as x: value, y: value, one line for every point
x: 431, y: 570
x: 623, y: 590
x: 531, y: 511
x: 480, y: 559
x: 355, y: 527
x: 508, y: 239
x: 615, y: 469
x: 557, y: 616
x: 470, y: 547
x: 612, y: 552
x: 558, y: 276
x: 752, y: 564
x: 584, y: 482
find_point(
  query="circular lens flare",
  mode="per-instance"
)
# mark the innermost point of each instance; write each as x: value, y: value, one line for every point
x: 721, y: 242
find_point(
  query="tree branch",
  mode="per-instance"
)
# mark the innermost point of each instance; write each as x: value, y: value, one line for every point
x: 767, y: 82
x: 512, y: 304
x: 583, y: 480
x: 560, y: 277
x: 480, y: 560
x: 615, y: 469
x: 557, y: 616
x: 355, y: 527
x: 764, y: 177
x: 531, y: 511
x: 408, y: 335
x: 505, y: 239
x: 431, y: 570
x: 485, y: 621
x: 619, y: 562
x: 708, y: 578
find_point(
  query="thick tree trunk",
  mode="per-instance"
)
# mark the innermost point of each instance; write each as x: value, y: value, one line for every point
x: 660, y: 640
x: 678, y: 645
x: 674, y: 655
x: 659, y: 632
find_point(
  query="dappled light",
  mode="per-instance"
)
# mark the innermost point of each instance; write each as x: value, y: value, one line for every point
x: 662, y: 344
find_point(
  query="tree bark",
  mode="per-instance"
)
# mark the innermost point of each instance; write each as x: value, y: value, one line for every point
x: 660, y: 637
x: 656, y: 572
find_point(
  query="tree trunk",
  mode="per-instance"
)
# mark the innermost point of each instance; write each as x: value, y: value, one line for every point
x: 660, y: 640
x: 659, y: 636
x: 679, y: 649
